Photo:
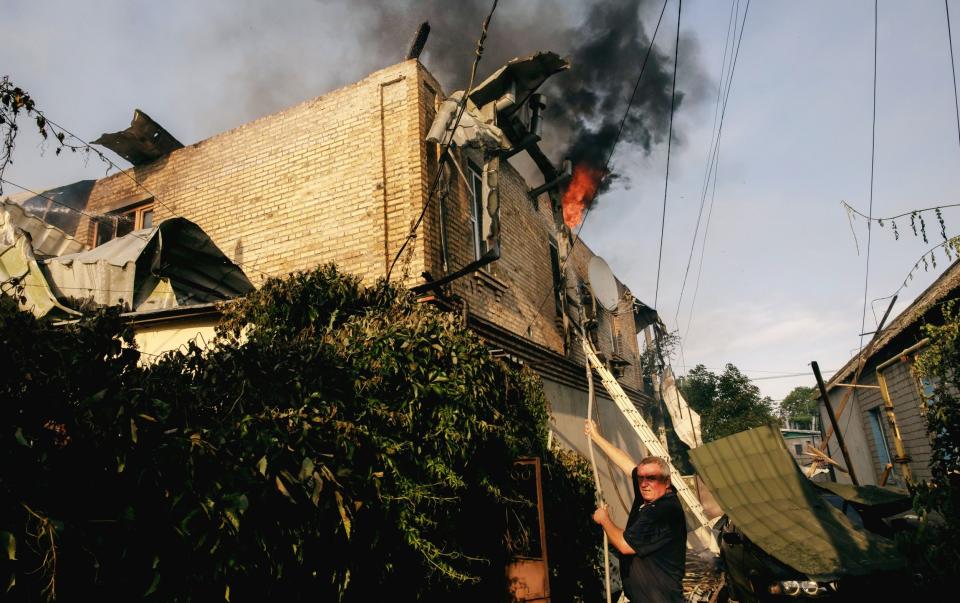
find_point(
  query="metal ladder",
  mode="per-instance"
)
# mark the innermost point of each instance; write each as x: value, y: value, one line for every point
x: 650, y: 440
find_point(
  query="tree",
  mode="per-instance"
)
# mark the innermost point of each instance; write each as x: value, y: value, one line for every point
x: 352, y: 444
x: 728, y: 403
x: 937, y: 502
x: 799, y: 406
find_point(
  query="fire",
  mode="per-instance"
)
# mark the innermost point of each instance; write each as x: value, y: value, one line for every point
x: 580, y: 193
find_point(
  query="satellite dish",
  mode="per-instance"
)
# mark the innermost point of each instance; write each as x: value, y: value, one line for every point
x: 603, y: 284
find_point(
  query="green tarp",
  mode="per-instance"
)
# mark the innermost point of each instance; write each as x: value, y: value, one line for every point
x: 759, y: 486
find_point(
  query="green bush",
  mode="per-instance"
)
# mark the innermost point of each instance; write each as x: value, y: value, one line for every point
x: 336, y: 442
x: 936, y: 547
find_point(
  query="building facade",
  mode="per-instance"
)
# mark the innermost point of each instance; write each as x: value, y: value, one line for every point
x: 344, y: 178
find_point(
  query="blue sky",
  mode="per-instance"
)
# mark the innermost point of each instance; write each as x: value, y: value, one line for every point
x: 782, y: 281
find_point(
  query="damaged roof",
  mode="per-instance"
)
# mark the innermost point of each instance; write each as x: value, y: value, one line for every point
x: 144, y: 141
x: 172, y: 264
x: 947, y: 286
x: 761, y: 489
x: 526, y: 73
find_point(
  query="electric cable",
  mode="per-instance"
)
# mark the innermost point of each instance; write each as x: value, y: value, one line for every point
x: 723, y: 112
x: 873, y: 148
x: 731, y: 32
x: 446, y: 145
x: 953, y: 69
x: 666, y: 179
x: 616, y: 140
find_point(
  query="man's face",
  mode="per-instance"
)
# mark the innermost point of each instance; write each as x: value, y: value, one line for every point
x: 652, y: 484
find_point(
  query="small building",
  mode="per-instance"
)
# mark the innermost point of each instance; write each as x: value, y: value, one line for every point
x: 888, y: 382
x: 798, y: 441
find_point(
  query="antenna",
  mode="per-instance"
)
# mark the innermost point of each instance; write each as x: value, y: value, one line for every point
x: 603, y: 284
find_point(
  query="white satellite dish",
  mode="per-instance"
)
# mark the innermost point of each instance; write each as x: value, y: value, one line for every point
x: 603, y: 284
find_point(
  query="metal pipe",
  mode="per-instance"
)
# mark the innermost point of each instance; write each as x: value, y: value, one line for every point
x: 914, y: 348
x: 833, y: 422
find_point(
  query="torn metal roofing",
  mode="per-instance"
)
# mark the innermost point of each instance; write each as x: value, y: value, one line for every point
x: 62, y: 206
x: 522, y: 75
x: 759, y: 486
x: 173, y: 264
x: 144, y: 141
x: 45, y: 238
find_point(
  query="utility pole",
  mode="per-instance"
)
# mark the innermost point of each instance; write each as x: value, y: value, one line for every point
x: 833, y: 422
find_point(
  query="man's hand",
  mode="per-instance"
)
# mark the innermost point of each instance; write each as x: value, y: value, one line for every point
x: 590, y: 430
x: 601, y: 515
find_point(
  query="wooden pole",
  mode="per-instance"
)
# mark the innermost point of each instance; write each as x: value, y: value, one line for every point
x: 833, y: 422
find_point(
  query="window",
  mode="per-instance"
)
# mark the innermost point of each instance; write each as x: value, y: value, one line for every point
x: 557, y: 280
x: 798, y: 448
x: 120, y: 223
x: 614, y: 336
x: 879, y: 435
x: 477, y: 211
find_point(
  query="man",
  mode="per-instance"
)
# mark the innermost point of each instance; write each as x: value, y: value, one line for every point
x: 653, y: 545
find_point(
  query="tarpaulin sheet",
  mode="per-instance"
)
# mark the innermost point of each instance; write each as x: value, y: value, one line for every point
x: 760, y: 487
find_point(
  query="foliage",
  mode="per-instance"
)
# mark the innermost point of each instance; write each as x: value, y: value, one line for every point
x: 728, y: 403
x: 937, y: 502
x: 335, y: 443
x: 799, y: 406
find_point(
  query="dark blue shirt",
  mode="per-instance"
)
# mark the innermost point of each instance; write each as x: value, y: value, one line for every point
x: 657, y: 531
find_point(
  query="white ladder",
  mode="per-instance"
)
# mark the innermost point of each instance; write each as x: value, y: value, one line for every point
x: 653, y: 444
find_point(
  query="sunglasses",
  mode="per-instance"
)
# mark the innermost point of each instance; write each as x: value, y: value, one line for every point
x: 649, y: 478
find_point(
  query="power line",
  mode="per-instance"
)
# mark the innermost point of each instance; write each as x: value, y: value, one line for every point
x: 953, y: 68
x: 666, y: 179
x: 723, y: 113
x: 446, y: 145
x: 873, y: 148
x: 734, y: 4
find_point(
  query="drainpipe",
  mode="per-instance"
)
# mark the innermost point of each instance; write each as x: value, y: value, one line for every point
x: 383, y: 173
x: 902, y: 457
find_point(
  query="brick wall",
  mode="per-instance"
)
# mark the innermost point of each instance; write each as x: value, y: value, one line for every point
x: 341, y: 178
x: 336, y: 178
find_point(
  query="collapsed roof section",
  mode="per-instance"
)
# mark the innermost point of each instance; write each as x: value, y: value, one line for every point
x: 144, y: 141
x: 759, y: 486
x: 171, y: 265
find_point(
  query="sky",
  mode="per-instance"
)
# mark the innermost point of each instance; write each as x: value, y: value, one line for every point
x: 783, y: 270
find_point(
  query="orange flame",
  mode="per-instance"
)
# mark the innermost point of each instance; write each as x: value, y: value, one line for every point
x: 580, y: 193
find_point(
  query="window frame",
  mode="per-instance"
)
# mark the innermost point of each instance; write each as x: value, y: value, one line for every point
x: 138, y: 213
x: 476, y: 208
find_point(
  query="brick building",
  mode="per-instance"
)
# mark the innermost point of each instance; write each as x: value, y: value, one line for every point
x: 342, y: 177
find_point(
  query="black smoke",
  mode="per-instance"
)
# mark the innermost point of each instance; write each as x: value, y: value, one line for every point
x: 606, y: 42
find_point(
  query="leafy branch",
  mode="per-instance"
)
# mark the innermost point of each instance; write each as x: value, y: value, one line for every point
x: 916, y: 216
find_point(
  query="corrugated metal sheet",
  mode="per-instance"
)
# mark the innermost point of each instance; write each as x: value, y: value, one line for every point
x: 173, y: 264
x: 47, y: 240
x: 21, y: 277
x: 759, y: 486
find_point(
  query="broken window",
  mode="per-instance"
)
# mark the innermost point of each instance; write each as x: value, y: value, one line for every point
x: 119, y: 223
x: 477, y: 209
